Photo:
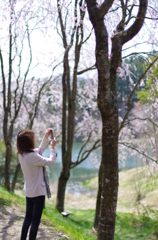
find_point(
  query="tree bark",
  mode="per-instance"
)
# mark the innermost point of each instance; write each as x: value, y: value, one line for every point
x: 97, y: 209
x: 107, y: 103
x: 109, y: 176
x: 7, y: 166
x: 14, y: 181
x: 64, y: 177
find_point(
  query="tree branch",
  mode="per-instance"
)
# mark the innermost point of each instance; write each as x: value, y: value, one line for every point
x: 136, y: 26
x: 25, y: 77
x: 144, y: 119
x: 4, y: 100
x: 104, y: 8
x: 139, y: 53
x: 138, y: 151
x: 86, y: 153
x: 10, y: 66
x: 62, y: 25
x: 36, y: 103
x: 93, y: 67
x: 3, y: 79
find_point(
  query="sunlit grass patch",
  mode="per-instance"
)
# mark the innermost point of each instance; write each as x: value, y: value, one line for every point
x: 8, y: 198
x: 131, y: 226
x: 78, y: 225
x: 91, y: 183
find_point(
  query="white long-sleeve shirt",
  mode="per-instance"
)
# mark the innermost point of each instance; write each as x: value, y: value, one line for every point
x: 32, y: 167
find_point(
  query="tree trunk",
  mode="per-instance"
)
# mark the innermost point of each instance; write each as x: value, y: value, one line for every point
x: 69, y: 93
x: 7, y: 166
x: 64, y: 177
x: 107, y: 103
x: 97, y: 210
x: 109, y: 177
x: 14, y: 181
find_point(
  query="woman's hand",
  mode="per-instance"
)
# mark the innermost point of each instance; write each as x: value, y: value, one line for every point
x: 53, y: 143
x: 48, y: 132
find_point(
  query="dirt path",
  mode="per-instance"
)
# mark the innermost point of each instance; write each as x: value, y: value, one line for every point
x: 11, y: 219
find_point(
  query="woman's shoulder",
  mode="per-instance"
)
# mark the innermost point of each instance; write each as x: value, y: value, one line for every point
x: 26, y: 155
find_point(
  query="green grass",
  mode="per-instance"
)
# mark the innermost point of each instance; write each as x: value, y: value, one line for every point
x: 78, y: 225
x: 91, y: 183
x: 139, y: 183
x: 10, y: 199
x: 135, y: 227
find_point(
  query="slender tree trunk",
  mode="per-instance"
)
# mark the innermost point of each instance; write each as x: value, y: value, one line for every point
x: 69, y: 95
x: 14, y: 181
x: 63, y: 179
x: 64, y: 175
x: 97, y: 210
x: 7, y: 166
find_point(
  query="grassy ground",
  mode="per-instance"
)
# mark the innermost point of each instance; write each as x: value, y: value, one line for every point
x: 137, y: 208
x: 137, y: 187
x: 77, y: 226
x: 137, y: 215
x: 135, y: 227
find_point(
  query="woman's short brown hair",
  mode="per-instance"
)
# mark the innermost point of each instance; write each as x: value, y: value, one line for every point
x: 25, y: 141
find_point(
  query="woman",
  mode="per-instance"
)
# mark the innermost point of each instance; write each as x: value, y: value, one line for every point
x: 32, y: 164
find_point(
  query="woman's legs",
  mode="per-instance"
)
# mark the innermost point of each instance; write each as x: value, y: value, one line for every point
x: 34, y: 208
x: 38, y: 205
x: 27, y: 220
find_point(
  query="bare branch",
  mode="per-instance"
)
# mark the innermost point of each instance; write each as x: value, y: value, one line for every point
x: 25, y: 76
x: 139, y: 53
x: 82, y: 156
x: 4, y: 99
x: 37, y: 101
x: 62, y: 25
x: 19, y: 73
x: 93, y: 67
x: 66, y: 15
x: 88, y: 36
x: 10, y: 67
x: 137, y: 44
x: 3, y: 79
x: 143, y: 119
x: 84, y: 144
x: 130, y: 14
x: 138, y: 151
x: 136, y: 26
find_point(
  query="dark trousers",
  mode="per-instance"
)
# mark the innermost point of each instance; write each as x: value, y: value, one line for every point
x: 34, y: 208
